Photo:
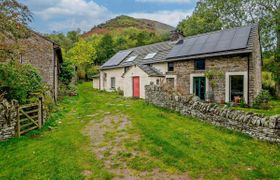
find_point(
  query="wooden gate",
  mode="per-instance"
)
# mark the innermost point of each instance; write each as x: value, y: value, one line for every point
x: 29, y: 117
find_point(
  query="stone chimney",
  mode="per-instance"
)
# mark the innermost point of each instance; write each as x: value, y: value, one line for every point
x: 176, y: 35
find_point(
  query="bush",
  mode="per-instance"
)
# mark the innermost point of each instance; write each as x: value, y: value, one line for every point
x: 67, y: 73
x: 18, y: 81
x: 262, y: 100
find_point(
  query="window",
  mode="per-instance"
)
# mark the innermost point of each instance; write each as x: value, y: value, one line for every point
x: 150, y: 56
x: 170, y: 66
x: 199, y: 64
x: 170, y: 82
x: 20, y: 59
x: 132, y: 58
x: 126, y: 69
x: 157, y: 82
x: 113, y: 82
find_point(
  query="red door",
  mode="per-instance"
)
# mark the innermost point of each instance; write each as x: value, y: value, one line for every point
x: 136, y: 86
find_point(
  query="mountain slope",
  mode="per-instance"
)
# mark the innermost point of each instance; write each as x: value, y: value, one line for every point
x: 122, y: 22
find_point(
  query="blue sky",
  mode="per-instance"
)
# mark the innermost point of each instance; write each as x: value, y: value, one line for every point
x: 66, y: 15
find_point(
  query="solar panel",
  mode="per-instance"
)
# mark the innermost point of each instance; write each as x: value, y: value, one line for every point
x: 226, y: 40
x: 117, y: 58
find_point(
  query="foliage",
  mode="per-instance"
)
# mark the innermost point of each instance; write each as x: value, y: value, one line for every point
x: 91, y: 71
x: 202, y: 20
x: 213, y: 76
x: 66, y: 41
x: 82, y: 53
x: 14, y: 19
x: 268, y: 82
x: 19, y: 81
x: 67, y: 72
x: 262, y: 100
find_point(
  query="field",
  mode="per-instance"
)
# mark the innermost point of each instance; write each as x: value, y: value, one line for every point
x: 102, y: 135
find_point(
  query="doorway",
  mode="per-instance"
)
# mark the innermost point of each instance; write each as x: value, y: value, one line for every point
x: 236, y: 87
x: 136, y: 86
x: 199, y: 87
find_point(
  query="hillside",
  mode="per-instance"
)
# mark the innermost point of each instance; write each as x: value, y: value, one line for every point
x: 122, y: 22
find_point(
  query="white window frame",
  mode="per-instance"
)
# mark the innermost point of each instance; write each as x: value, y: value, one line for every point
x: 245, y: 84
x: 111, y: 87
x: 198, y: 75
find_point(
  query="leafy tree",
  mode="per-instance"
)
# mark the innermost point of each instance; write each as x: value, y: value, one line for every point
x: 105, y: 49
x: 204, y: 19
x: 14, y: 19
x: 82, y: 53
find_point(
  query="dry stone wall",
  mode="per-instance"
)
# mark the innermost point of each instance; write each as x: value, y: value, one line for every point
x: 8, y: 118
x: 255, y: 125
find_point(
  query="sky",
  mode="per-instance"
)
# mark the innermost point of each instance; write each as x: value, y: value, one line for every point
x: 67, y: 15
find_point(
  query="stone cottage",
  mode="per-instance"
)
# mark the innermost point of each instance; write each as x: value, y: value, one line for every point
x: 183, y: 64
x: 43, y: 54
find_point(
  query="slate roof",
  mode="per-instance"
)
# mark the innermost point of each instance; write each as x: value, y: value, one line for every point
x: 151, y: 71
x: 225, y: 42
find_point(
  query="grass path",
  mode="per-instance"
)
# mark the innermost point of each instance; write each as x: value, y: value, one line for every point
x: 102, y: 136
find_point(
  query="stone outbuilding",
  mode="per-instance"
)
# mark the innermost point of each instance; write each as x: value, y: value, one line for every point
x: 187, y: 64
x: 45, y: 55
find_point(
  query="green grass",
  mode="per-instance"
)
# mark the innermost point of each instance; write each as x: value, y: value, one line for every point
x: 274, y: 110
x: 177, y: 143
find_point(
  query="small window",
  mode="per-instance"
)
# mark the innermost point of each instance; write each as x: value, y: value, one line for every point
x: 113, y: 82
x: 126, y: 69
x: 199, y: 64
x: 170, y: 66
x: 170, y: 82
x: 157, y: 82
x: 132, y: 58
x: 150, y: 56
x: 20, y: 59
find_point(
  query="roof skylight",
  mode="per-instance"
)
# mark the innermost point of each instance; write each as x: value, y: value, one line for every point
x: 132, y: 58
x: 150, y: 56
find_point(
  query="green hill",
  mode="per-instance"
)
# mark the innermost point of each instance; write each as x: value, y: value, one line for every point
x: 123, y: 22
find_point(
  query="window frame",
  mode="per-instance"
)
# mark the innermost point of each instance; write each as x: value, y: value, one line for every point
x: 196, y: 61
x: 113, y: 82
x: 168, y: 66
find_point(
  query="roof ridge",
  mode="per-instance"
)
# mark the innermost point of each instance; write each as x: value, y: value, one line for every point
x: 222, y: 30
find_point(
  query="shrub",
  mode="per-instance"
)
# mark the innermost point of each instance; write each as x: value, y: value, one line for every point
x: 18, y: 81
x: 67, y: 73
x: 91, y: 71
x: 262, y: 100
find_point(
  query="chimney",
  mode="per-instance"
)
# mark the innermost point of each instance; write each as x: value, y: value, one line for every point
x: 176, y: 35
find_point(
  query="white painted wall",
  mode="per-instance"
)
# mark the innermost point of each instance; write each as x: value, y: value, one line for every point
x: 95, y: 83
x: 162, y: 67
x: 105, y: 83
x: 144, y: 80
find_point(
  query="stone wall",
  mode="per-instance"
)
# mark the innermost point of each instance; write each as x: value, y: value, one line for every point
x: 255, y: 125
x: 8, y: 118
x: 184, y: 69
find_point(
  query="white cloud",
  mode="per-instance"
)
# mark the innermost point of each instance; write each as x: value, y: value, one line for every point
x: 164, y: 1
x: 168, y: 17
x: 73, y: 14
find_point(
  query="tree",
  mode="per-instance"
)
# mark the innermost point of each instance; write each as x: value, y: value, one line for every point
x: 105, y: 49
x: 14, y: 18
x: 204, y: 19
x: 82, y: 53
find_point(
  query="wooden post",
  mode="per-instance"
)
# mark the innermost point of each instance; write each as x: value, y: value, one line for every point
x: 40, y: 112
x: 18, y: 121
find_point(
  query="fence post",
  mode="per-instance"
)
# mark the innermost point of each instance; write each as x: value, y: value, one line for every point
x: 40, y: 112
x: 18, y: 121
